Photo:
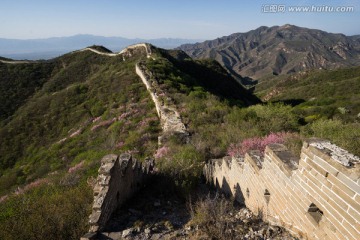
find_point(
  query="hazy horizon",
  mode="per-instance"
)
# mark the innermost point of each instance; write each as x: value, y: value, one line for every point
x: 94, y: 35
x: 201, y: 19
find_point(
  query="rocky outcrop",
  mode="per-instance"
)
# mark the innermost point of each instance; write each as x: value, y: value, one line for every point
x: 315, y: 197
x: 119, y: 178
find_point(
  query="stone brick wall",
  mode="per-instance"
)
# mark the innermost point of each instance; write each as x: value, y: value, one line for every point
x: 316, y: 196
x: 119, y: 178
x: 170, y: 119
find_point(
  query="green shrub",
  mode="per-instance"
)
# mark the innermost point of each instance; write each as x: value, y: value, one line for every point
x: 346, y: 136
x: 47, y: 212
x: 183, y: 164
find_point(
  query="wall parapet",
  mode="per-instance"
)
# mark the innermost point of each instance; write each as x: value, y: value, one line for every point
x: 119, y: 178
x: 315, y: 195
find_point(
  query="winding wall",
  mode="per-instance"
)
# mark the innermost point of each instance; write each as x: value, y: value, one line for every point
x: 169, y: 116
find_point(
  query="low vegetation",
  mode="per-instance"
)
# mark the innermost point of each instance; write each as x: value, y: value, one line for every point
x: 82, y: 106
x: 318, y: 94
x: 221, y: 124
x: 211, y: 215
x: 87, y: 106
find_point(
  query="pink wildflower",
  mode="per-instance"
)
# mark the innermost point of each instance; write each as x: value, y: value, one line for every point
x: 123, y: 116
x: 31, y: 185
x: 3, y: 198
x: 76, y: 167
x: 256, y: 143
x: 103, y: 124
x: 120, y: 144
x: 161, y: 152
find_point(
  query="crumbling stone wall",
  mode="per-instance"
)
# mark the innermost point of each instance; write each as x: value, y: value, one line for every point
x: 170, y: 119
x: 119, y: 178
x: 315, y: 197
x: 125, y: 53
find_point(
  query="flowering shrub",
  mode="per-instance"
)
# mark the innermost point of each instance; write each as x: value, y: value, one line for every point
x: 3, y: 198
x: 256, y: 143
x: 104, y: 123
x: 120, y: 144
x: 76, y: 167
x: 124, y: 115
x: 31, y: 185
x: 161, y: 152
x: 145, y: 122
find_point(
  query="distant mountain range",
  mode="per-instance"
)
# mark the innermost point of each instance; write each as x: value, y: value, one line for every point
x: 34, y: 49
x: 269, y: 51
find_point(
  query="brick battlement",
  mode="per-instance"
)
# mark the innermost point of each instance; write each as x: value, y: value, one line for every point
x: 316, y: 196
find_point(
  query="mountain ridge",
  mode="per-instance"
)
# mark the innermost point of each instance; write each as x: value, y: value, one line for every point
x: 270, y: 51
x: 46, y: 48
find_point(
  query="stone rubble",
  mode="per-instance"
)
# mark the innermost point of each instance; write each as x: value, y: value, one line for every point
x: 338, y: 154
x: 144, y: 218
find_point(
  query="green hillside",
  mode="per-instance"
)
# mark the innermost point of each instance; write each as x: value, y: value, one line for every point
x: 318, y: 94
x: 61, y: 116
x: 20, y: 81
x: 78, y: 108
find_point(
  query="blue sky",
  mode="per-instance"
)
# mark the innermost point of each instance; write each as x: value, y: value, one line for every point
x: 196, y: 19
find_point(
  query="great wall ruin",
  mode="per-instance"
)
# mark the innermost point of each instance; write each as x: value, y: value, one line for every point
x: 315, y: 195
x: 169, y: 116
x: 119, y: 178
